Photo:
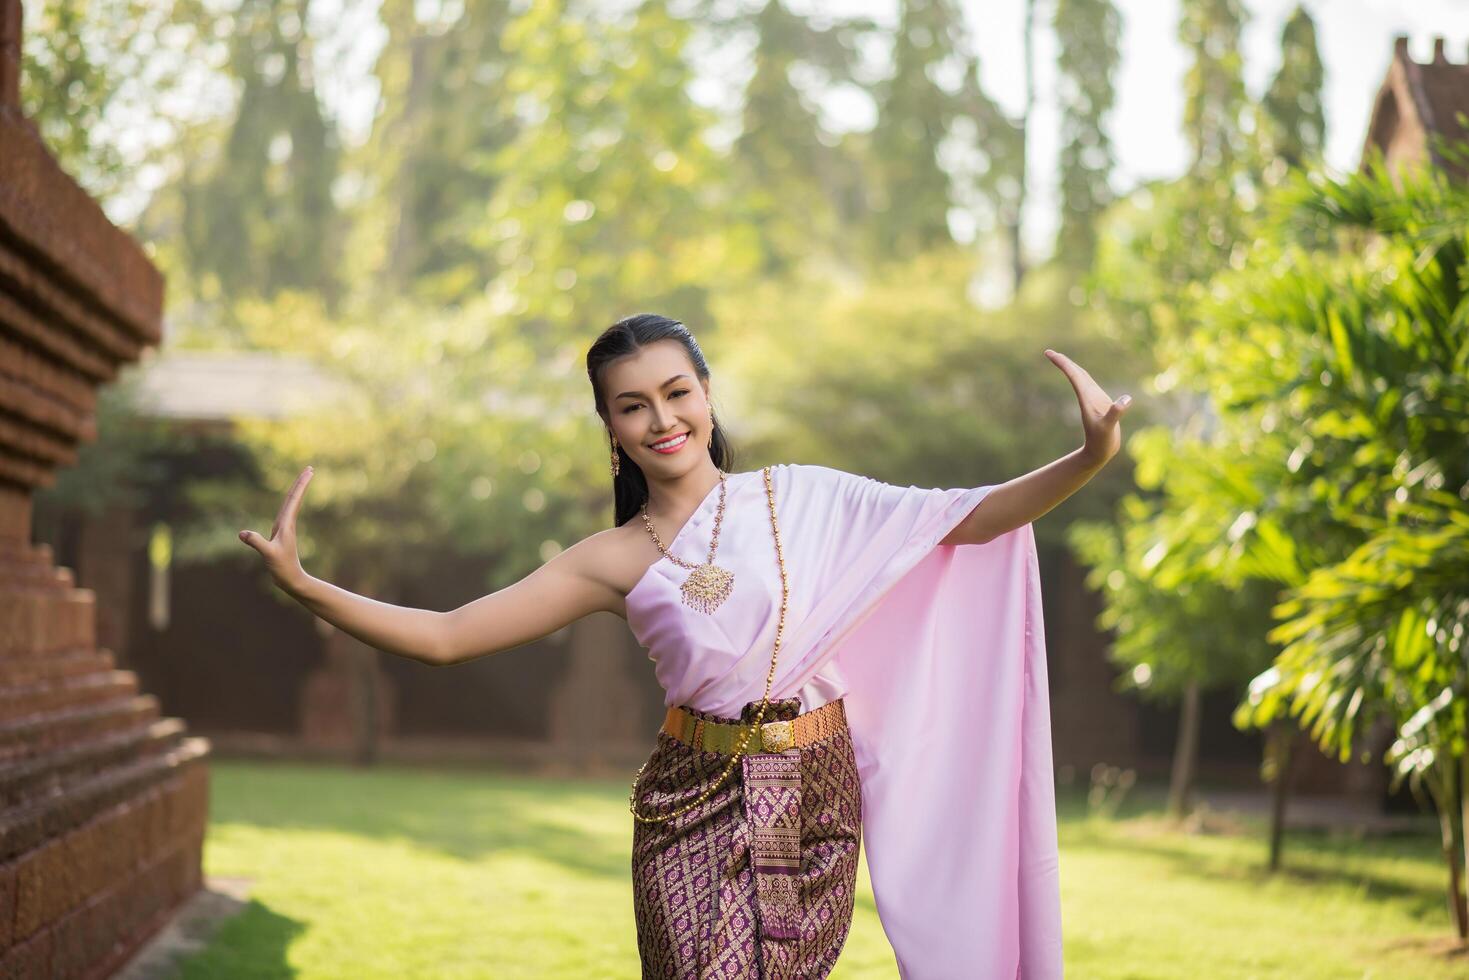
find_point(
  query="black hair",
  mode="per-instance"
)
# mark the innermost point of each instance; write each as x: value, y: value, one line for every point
x: 627, y: 336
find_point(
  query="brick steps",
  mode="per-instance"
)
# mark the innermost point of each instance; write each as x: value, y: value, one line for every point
x: 53, y: 730
x: 55, y: 772
x: 85, y: 899
x: 20, y: 701
x: 29, y: 825
x: 45, y: 620
x: 31, y: 566
x: 63, y: 663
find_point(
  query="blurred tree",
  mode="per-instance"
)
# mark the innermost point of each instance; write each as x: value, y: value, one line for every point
x: 610, y: 199
x: 445, y: 112
x: 937, y: 133
x: 1215, y: 108
x: 259, y: 216
x: 1008, y: 182
x: 915, y: 113
x: 1292, y: 120
x: 428, y: 442
x: 1162, y: 243
x: 1214, y: 87
x: 1088, y: 33
x: 794, y: 179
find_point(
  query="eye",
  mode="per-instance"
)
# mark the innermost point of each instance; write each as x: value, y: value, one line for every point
x: 636, y: 405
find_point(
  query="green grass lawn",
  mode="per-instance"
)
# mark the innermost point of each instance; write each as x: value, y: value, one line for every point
x: 422, y: 874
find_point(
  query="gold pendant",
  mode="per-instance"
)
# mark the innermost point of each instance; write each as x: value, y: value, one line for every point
x: 706, y: 587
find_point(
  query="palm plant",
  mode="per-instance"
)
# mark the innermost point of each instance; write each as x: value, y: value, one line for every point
x: 1356, y: 352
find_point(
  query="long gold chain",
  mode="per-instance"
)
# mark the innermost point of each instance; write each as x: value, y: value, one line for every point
x: 764, y: 701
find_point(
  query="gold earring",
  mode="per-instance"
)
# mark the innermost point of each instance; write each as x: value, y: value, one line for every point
x: 616, y: 463
x: 710, y: 443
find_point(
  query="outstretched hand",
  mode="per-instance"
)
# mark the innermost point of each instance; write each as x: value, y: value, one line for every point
x: 279, y: 552
x: 1100, y: 415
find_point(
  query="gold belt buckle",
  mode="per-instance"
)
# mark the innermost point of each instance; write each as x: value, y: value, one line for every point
x: 777, y: 736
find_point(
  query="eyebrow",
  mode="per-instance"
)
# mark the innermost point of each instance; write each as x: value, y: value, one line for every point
x: 639, y: 394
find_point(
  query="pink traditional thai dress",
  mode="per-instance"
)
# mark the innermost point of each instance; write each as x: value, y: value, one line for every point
x: 938, y: 655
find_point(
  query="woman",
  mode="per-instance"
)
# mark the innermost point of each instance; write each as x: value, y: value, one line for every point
x: 834, y: 668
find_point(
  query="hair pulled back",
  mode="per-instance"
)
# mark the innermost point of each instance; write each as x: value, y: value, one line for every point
x: 628, y: 336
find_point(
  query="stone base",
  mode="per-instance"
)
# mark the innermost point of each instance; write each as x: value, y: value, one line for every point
x: 103, y: 804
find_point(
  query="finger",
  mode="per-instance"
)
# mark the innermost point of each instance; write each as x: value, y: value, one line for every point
x: 298, y: 493
x: 1061, y: 361
x: 1070, y: 370
x: 1088, y: 392
x: 1115, y: 410
x: 1067, y: 363
x: 288, y: 508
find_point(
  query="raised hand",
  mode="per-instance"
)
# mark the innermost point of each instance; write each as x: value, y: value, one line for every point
x: 1100, y: 415
x: 279, y: 552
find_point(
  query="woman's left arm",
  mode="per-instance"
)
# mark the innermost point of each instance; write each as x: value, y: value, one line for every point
x: 1023, y: 499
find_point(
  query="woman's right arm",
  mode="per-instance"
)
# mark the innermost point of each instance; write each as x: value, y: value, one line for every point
x: 561, y: 591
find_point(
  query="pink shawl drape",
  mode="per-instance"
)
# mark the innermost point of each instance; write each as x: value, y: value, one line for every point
x: 940, y: 653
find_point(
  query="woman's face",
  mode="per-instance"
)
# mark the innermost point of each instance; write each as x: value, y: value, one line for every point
x: 653, y: 398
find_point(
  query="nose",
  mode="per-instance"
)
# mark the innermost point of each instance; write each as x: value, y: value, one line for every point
x: 664, y: 417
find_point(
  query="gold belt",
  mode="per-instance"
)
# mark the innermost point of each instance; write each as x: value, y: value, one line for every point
x: 771, y: 736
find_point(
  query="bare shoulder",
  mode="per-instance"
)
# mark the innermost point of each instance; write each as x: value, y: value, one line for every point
x: 614, y: 559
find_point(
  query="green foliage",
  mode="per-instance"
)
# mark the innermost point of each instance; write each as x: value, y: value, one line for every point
x: 1380, y: 632
x: 1214, y: 87
x: 933, y: 101
x: 1221, y: 183
x: 1186, y: 595
x: 1292, y: 117
x: 1088, y: 34
x: 1358, y: 357
x: 445, y: 112
x: 791, y: 176
x: 1330, y: 364
x: 611, y: 201
x: 1158, y: 249
x: 262, y: 218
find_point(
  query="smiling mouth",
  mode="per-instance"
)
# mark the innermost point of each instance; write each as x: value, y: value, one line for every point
x: 668, y: 445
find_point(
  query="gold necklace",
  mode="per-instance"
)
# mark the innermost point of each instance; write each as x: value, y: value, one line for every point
x: 708, y: 585
x: 780, y: 626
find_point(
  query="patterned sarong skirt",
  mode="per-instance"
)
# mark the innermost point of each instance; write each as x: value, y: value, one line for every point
x: 759, y: 880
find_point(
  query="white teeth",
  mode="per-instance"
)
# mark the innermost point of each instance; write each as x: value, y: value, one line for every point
x: 671, y: 442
